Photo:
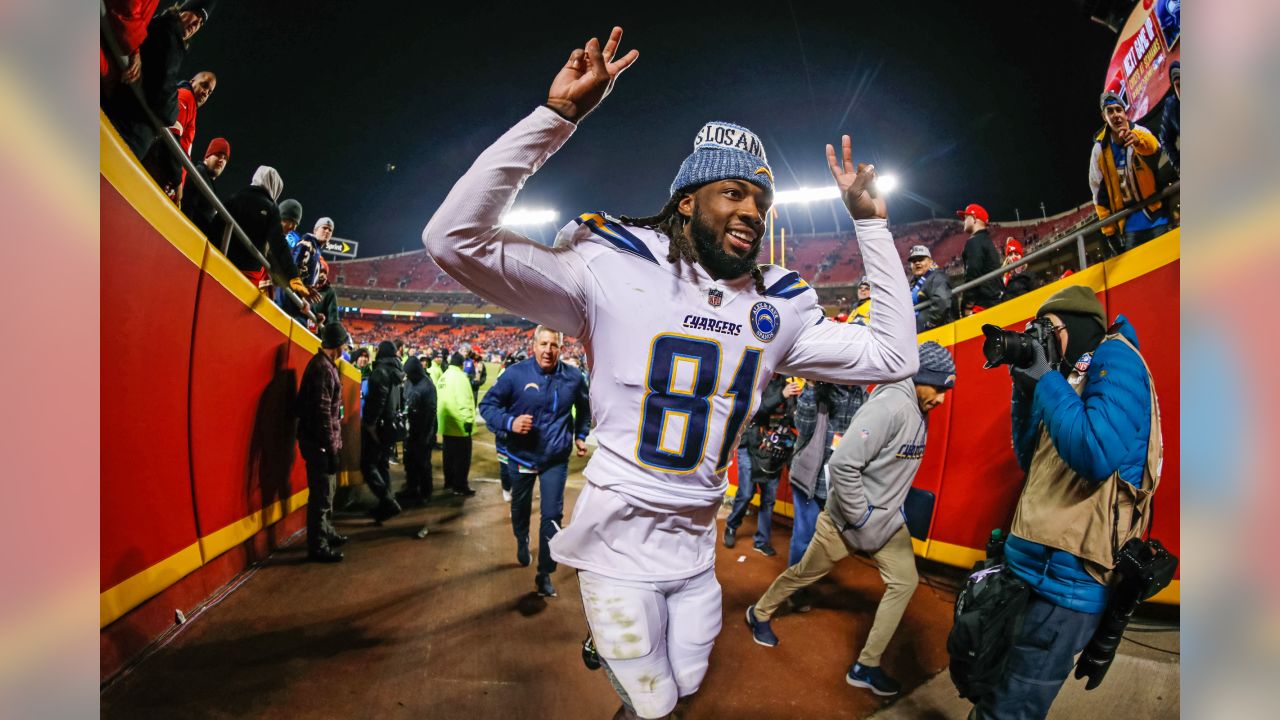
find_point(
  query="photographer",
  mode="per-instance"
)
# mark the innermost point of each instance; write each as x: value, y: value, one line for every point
x: 1086, y: 428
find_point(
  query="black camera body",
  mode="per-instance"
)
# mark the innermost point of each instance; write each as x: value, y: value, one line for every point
x: 1009, y: 347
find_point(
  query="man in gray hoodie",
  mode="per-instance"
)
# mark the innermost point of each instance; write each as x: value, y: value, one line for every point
x: 870, y: 473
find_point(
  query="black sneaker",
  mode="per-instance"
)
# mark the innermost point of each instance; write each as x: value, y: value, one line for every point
x: 766, y: 550
x: 522, y: 553
x: 337, y: 540
x: 590, y: 657
x: 761, y: 632
x: 386, y: 510
x: 730, y: 537
x: 873, y: 679
x: 543, y: 583
x: 465, y: 492
x: 324, y: 555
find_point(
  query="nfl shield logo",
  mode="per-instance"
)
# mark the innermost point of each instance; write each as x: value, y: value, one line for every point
x: 715, y: 297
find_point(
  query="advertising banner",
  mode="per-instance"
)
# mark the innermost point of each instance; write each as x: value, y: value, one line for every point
x: 1148, y: 44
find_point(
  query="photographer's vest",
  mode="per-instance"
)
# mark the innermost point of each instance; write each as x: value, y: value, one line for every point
x: 1062, y: 510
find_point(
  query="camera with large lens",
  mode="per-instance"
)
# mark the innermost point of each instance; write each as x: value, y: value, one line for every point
x: 1009, y: 347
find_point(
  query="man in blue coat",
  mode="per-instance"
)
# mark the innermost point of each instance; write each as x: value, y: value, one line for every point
x: 542, y: 406
x: 1088, y: 434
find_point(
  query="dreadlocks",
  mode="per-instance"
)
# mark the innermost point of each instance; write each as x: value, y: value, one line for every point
x: 671, y: 223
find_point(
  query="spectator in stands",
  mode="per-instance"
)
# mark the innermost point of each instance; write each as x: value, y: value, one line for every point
x: 163, y: 166
x: 421, y: 401
x: 871, y: 473
x: 534, y: 403
x: 823, y: 411
x: 1087, y: 434
x: 128, y: 19
x: 770, y: 440
x: 1016, y: 281
x: 457, y: 416
x: 861, y: 313
x: 160, y: 59
x: 290, y: 218
x: 195, y: 206
x: 254, y: 210
x: 980, y: 257
x: 928, y: 284
x: 378, y: 417
x: 1170, y: 117
x: 322, y: 232
x: 319, y: 408
x: 326, y: 308
x: 1122, y: 174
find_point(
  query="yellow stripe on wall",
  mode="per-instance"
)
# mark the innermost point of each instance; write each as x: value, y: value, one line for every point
x: 128, y: 594
x: 220, y: 541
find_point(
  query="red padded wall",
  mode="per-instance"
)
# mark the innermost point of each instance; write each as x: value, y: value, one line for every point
x: 148, y: 300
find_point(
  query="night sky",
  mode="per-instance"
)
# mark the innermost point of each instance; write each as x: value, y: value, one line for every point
x: 992, y: 102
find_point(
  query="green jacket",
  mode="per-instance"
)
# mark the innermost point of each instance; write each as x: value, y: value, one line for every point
x: 456, y: 404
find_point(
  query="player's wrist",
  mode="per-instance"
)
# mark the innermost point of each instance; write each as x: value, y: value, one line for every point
x: 565, y: 109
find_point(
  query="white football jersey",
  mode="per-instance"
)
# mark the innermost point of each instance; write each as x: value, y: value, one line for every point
x: 678, y: 359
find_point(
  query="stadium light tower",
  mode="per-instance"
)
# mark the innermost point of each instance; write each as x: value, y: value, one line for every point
x: 529, y: 217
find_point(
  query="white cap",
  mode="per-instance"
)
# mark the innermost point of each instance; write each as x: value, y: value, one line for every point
x: 324, y: 221
x: 919, y: 251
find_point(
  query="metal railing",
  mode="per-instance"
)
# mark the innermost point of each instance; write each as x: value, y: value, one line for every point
x: 231, y: 227
x: 1077, y: 237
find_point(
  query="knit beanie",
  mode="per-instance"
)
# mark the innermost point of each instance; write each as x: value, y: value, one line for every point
x: 218, y: 145
x: 291, y: 210
x: 386, y: 349
x: 333, y: 335
x: 723, y: 151
x: 1078, y: 299
x: 937, y: 367
x: 324, y: 222
x: 456, y: 359
x: 199, y: 7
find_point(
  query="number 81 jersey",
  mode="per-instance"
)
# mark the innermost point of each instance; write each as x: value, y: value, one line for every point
x: 677, y: 360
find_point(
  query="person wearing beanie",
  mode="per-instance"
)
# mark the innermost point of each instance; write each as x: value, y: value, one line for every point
x: 1017, y: 281
x: 290, y: 218
x: 381, y: 425
x: 1122, y: 174
x: 870, y: 473
x: 456, y: 411
x: 685, y: 329
x: 319, y: 409
x: 1088, y: 437
x: 198, y: 209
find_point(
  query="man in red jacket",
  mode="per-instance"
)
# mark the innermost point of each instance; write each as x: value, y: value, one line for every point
x: 166, y: 169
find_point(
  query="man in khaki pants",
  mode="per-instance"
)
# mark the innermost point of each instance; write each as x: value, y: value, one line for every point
x: 870, y: 474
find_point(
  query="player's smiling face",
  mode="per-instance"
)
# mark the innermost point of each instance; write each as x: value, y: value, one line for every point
x: 727, y: 225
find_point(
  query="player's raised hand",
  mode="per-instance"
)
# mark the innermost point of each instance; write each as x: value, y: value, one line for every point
x: 588, y: 77
x: 857, y: 184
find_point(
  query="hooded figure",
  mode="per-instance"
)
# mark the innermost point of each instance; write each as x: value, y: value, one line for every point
x: 254, y: 210
x: 421, y: 402
x: 381, y: 405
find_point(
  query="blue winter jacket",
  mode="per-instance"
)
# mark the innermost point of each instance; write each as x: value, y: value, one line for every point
x: 524, y: 389
x: 1101, y: 431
